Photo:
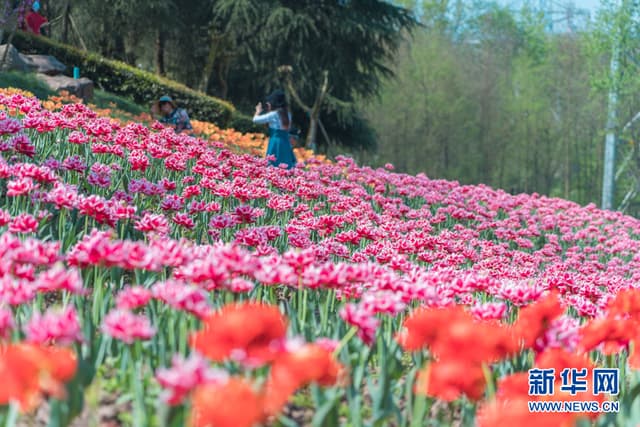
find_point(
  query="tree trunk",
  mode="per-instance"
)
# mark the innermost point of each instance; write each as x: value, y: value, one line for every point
x: 208, y: 66
x: 77, y: 31
x: 13, y: 27
x: 216, y: 47
x: 161, y: 37
x: 222, y: 73
x: 567, y: 166
x: 313, y: 131
x: 46, y: 11
x: 2, y: 28
x: 314, y: 111
x: 314, y: 114
x: 120, y: 50
x: 66, y: 21
x: 608, y: 181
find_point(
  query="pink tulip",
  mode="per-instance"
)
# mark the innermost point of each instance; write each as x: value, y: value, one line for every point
x: 60, y: 327
x: 184, y: 375
x: 133, y: 297
x: 127, y: 327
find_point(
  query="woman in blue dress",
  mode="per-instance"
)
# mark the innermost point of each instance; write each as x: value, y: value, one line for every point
x: 278, y: 117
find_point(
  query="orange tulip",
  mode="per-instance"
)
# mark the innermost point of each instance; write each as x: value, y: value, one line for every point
x: 561, y: 359
x: 233, y: 404
x: 448, y: 380
x: 28, y: 371
x: 423, y: 327
x: 247, y: 332
x: 614, y: 333
x: 533, y: 320
x: 634, y: 355
x: 296, y: 369
x: 448, y: 331
x: 626, y: 301
x: 514, y: 386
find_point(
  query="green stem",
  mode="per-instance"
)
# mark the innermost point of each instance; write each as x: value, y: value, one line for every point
x: 325, y: 314
x: 104, y: 341
x: 138, y: 383
x: 303, y: 315
x: 345, y: 340
x: 419, y: 411
x: 489, y: 379
x: 13, y: 415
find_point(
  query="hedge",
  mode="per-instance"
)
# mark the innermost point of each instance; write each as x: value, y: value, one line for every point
x: 244, y: 124
x: 141, y: 86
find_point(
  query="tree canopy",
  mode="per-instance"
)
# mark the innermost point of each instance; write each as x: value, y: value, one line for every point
x: 233, y: 48
x: 487, y: 94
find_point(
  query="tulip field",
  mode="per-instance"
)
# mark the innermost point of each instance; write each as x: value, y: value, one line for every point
x: 155, y: 279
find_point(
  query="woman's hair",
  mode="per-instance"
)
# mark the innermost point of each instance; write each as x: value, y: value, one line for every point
x: 284, y: 116
x: 278, y: 101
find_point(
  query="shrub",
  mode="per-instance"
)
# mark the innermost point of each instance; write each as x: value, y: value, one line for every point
x: 117, y: 77
x: 104, y: 99
x: 244, y: 124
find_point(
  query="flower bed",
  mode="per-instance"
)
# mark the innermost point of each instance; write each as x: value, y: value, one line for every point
x: 205, y: 288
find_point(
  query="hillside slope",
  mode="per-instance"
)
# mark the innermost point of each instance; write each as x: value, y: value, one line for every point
x: 144, y: 238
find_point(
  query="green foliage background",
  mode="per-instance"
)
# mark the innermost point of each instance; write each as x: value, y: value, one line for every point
x: 486, y: 95
x: 458, y: 89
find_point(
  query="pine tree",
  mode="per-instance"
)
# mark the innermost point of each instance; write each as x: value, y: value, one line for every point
x: 352, y: 41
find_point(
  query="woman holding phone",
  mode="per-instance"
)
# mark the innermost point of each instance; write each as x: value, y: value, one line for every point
x: 276, y: 114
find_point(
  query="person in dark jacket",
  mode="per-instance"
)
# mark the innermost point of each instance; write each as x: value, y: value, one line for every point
x: 170, y: 114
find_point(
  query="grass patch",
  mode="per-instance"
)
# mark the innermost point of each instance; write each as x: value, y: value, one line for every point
x: 25, y: 81
x: 101, y: 99
x: 104, y: 99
